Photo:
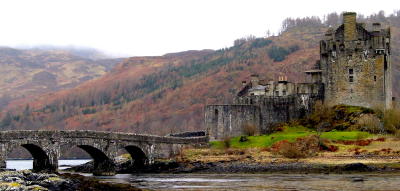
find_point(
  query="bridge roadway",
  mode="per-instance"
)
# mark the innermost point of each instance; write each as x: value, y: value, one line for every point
x: 46, y: 146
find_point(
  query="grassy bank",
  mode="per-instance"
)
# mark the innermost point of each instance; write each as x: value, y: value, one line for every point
x: 290, y: 134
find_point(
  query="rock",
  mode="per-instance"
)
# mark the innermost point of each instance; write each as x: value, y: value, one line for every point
x: 27, y: 180
x: 357, y: 179
x: 359, y: 167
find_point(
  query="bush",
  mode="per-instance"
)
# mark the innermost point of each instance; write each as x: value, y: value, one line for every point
x: 391, y: 120
x: 243, y: 139
x: 370, y: 123
x: 321, y: 118
x: 227, y: 142
x: 250, y: 130
x: 301, y: 148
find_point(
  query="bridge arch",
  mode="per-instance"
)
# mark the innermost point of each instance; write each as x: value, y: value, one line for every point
x: 102, y: 164
x: 139, y: 158
x: 41, y: 160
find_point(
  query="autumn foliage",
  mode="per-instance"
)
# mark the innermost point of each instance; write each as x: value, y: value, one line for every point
x: 167, y: 94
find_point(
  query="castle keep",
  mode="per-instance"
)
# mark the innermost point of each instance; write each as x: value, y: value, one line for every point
x: 355, y: 64
x: 354, y: 69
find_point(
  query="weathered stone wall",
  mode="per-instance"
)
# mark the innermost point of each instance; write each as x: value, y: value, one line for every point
x: 45, y: 147
x: 356, y: 66
x: 262, y: 111
x: 349, y: 21
x: 274, y: 110
x: 228, y: 120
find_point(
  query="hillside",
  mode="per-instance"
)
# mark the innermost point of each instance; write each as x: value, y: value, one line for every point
x: 165, y: 94
x: 25, y: 73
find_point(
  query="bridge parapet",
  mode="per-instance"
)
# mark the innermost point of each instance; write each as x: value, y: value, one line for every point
x: 45, y: 147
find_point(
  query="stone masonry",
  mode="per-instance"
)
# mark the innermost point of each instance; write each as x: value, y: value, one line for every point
x: 354, y: 69
x: 45, y: 147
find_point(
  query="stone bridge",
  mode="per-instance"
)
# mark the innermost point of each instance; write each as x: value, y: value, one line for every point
x: 46, y: 146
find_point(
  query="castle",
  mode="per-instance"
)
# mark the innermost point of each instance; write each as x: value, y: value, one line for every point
x: 354, y: 69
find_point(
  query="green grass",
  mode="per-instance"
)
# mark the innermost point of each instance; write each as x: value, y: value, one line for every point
x: 290, y: 134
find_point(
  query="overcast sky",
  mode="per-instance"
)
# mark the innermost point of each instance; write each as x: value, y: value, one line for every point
x: 156, y: 27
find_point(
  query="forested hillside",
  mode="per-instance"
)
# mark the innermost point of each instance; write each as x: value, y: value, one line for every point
x: 165, y: 94
x: 25, y: 73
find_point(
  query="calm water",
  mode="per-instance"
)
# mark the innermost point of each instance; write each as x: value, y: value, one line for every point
x: 253, y: 182
x: 248, y: 182
x: 27, y: 164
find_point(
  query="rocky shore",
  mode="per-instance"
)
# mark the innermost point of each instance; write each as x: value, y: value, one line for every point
x: 243, y: 167
x: 29, y: 181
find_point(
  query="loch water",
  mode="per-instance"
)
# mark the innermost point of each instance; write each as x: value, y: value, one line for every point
x: 247, y: 182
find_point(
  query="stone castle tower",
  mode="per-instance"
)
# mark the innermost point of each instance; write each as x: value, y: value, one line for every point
x: 354, y: 69
x: 355, y: 64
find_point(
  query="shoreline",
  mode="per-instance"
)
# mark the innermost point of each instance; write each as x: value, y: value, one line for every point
x: 295, y: 166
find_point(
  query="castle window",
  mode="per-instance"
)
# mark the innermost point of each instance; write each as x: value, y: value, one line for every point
x: 350, y: 56
x: 277, y: 93
x: 375, y: 78
x: 341, y: 47
x: 351, y: 78
x: 351, y: 71
x: 283, y: 92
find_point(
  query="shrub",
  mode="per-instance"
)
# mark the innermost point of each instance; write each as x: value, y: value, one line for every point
x: 227, y: 142
x: 250, y: 130
x: 370, y: 123
x: 301, y: 148
x: 243, y: 139
x: 391, y: 121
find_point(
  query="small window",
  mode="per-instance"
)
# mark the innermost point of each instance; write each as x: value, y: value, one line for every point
x: 375, y: 78
x: 351, y: 79
x: 277, y: 93
x: 351, y: 71
x: 283, y: 92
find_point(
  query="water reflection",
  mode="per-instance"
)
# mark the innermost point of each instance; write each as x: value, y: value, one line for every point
x: 253, y: 182
x: 28, y: 164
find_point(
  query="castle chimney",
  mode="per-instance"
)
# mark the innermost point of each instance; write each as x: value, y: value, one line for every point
x: 254, y: 80
x: 282, y: 79
x: 350, y: 29
x: 376, y: 27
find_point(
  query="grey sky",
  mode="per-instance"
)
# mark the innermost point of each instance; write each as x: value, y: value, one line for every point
x: 156, y: 27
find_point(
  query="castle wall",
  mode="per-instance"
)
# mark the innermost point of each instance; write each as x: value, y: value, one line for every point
x: 275, y: 110
x: 355, y: 64
x: 228, y: 120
